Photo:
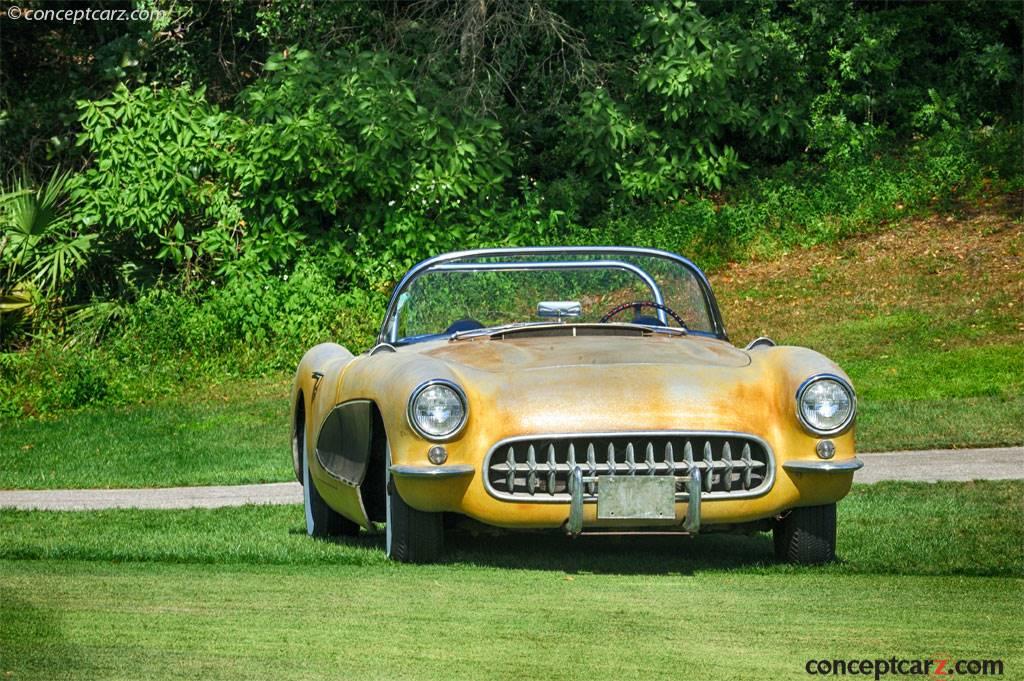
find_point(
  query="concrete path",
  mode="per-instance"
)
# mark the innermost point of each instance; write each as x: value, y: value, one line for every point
x: 163, y: 497
x: 933, y: 465
x: 1004, y: 463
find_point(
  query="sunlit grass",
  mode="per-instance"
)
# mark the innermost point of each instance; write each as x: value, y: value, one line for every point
x: 242, y: 593
x: 226, y: 434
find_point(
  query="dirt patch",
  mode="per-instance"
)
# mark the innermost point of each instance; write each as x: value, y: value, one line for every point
x: 964, y: 267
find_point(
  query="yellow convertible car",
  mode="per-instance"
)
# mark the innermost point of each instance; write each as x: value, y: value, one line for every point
x: 578, y: 389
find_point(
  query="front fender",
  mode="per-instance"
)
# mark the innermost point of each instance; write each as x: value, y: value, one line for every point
x: 796, y: 446
x: 317, y: 376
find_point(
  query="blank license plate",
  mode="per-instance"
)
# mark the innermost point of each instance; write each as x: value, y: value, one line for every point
x: 636, y: 498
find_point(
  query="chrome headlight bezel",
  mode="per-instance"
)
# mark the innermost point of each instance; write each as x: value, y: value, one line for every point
x: 846, y: 424
x: 411, y: 417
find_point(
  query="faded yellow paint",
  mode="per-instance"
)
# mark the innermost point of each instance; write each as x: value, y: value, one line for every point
x: 543, y: 385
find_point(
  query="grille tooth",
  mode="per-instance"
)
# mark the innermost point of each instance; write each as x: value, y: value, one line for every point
x: 531, y: 465
x: 727, y: 469
x: 591, y: 466
x: 748, y: 470
x: 709, y: 466
x: 552, y: 469
x: 510, y: 477
x: 538, y: 469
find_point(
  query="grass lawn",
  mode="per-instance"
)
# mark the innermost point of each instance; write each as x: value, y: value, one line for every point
x: 927, y: 317
x: 925, y: 571
x: 224, y: 435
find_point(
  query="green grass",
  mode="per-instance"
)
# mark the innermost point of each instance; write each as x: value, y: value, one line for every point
x: 215, y: 437
x: 925, y: 570
x: 88, y: 621
x: 916, y: 399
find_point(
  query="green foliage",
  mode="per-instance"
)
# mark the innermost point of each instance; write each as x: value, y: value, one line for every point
x: 320, y: 145
x: 41, y: 253
x: 699, y: 84
x: 168, y: 341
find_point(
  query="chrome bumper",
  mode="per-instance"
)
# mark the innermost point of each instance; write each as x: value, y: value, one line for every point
x: 847, y: 466
x: 576, y: 487
x: 432, y: 472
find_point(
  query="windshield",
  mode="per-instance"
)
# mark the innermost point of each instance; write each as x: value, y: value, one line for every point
x: 478, y: 290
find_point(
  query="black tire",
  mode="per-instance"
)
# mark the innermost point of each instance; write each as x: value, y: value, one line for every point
x: 807, y: 536
x: 412, y: 536
x: 321, y: 519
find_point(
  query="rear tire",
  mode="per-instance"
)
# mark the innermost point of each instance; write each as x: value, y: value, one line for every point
x: 321, y: 519
x: 412, y: 536
x: 807, y: 536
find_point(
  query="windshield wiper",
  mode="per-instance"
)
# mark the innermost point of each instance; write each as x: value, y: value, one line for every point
x: 491, y: 330
x: 505, y: 328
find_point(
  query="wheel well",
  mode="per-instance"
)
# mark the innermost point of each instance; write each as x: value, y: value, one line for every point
x: 298, y: 434
x: 372, y: 489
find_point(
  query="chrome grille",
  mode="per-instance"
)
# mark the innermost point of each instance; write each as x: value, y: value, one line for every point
x: 536, y: 468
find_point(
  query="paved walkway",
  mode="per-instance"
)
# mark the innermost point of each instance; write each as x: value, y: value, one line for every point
x: 933, y: 465
x: 163, y: 497
x: 1003, y: 463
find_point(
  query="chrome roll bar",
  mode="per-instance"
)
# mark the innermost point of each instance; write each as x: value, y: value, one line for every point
x: 389, y: 330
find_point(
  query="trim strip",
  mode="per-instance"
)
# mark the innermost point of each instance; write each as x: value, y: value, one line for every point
x: 848, y: 466
x: 433, y: 471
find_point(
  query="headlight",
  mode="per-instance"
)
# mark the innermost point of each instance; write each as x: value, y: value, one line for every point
x: 437, y: 409
x: 826, y: 404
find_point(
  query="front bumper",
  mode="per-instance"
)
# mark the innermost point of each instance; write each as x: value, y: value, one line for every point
x: 847, y: 466
x: 459, y: 488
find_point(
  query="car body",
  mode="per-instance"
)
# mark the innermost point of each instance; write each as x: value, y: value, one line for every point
x: 471, y: 406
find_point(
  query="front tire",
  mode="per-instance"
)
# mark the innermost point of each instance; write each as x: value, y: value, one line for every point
x: 807, y: 536
x: 412, y: 536
x: 321, y: 519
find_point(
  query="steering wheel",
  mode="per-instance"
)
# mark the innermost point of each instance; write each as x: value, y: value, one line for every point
x: 637, y: 305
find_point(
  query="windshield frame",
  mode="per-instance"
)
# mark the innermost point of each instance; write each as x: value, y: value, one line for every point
x: 389, y: 332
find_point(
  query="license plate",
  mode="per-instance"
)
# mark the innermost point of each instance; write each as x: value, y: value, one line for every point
x: 636, y: 498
